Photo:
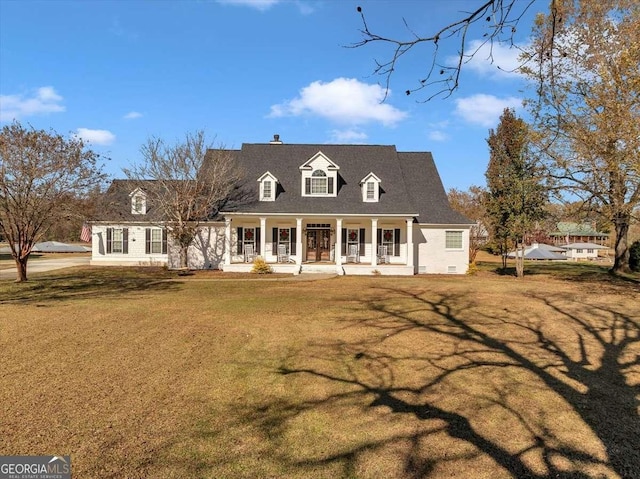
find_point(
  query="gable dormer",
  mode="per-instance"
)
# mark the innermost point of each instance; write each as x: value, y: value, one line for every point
x: 268, y: 187
x: 138, y: 202
x: 370, y: 185
x: 319, y: 176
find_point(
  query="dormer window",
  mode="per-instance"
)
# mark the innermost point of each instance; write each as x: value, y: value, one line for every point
x: 268, y: 184
x: 318, y: 183
x: 319, y: 176
x: 138, y: 202
x: 370, y: 188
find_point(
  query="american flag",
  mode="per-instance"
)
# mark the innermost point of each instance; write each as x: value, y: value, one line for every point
x: 85, y: 235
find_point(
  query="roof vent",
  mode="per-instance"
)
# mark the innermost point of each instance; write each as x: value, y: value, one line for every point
x: 276, y: 140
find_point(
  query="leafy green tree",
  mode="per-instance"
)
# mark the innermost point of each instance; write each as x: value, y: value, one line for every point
x: 470, y: 203
x: 584, y: 67
x: 42, y: 173
x: 516, y: 196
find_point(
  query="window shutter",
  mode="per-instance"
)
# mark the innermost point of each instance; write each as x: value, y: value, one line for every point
x: 362, y: 231
x: 164, y: 241
x: 396, y: 242
x: 109, y: 236
x: 257, y: 248
x: 330, y: 186
x: 379, y: 237
x: 147, y: 240
x: 239, y: 245
x: 274, y: 241
x: 125, y: 240
x: 294, y: 240
x: 307, y: 186
x: 344, y: 241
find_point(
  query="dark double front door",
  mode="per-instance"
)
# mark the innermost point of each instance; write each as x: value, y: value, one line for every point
x: 318, y: 245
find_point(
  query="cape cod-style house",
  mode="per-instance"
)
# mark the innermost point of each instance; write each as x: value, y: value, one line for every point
x: 349, y: 209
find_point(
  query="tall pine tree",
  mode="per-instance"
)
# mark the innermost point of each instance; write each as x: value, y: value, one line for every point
x: 516, y: 196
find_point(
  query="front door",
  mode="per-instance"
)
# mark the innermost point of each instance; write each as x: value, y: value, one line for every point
x: 318, y: 245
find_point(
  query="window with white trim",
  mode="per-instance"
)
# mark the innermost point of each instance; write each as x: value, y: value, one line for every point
x: 318, y: 183
x: 387, y: 240
x: 266, y: 190
x: 249, y: 237
x: 353, y: 237
x: 117, y: 241
x: 156, y: 241
x: 371, y: 190
x: 117, y: 238
x: 138, y: 204
x: 453, y: 239
x: 284, y: 238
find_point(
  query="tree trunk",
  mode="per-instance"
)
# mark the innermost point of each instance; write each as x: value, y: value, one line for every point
x: 621, y: 262
x: 184, y: 256
x: 21, y: 266
x: 520, y: 260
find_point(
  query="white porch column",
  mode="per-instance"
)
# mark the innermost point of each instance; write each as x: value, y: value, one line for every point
x: 338, y: 247
x: 410, y: 243
x: 374, y: 241
x: 227, y: 241
x: 263, y: 238
x: 298, y: 240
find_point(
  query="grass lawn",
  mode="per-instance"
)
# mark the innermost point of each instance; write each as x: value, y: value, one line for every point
x: 138, y: 373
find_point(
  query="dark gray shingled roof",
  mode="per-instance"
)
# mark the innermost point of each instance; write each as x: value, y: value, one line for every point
x: 410, y: 184
x: 115, y: 204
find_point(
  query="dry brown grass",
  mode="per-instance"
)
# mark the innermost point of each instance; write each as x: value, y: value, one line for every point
x: 135, y: 374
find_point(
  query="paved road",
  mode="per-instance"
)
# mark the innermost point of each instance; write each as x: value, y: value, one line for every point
x: 41, y: 265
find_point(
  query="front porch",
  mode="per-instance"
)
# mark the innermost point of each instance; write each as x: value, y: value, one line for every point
x: 293, y: 245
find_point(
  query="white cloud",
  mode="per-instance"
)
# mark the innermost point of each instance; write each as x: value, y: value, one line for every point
x: 496, y: 61
x: 261, y: 5
x: 97, y: 137
x: 484, y: 110
x: 348, y: 136
x: 437, y: 135
x: 44, y: 100
x: 343, y: 100
x: 132, y: 115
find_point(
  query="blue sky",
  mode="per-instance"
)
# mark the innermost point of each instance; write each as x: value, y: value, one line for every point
x: 117, y: 72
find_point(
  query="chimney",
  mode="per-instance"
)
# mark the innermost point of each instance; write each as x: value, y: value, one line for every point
x: 276, y: 140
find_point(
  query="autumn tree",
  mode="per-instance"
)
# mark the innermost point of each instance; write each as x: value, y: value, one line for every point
x: 516, y: 196
x: 584, y: 66
x: 43, y: 173
x: 470, y: 203
x: 187, y: 182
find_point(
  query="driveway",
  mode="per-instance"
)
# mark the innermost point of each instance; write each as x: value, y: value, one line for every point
x: 41, y: 265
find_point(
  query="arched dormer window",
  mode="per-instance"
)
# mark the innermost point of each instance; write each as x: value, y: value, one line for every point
x: 319, y: 176
x: 319, y: 183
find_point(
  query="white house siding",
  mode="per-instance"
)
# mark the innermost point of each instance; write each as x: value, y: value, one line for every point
x: 206, y: 251
x: 433, y: 257
x: 136, y: 255
x: 583, y: 253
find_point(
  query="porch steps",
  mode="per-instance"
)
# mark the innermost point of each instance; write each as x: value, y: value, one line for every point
x: 320, y: 269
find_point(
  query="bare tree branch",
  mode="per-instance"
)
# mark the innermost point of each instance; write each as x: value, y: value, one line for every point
x: 497, y: 22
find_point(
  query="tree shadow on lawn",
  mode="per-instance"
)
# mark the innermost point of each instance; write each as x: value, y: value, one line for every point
x: 569, y: 271
x: 86, y: 283
x: 547, y: 397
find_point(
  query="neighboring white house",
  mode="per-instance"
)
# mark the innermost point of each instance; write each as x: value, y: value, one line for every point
x: 578, y: 251
x: 350, y: 209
